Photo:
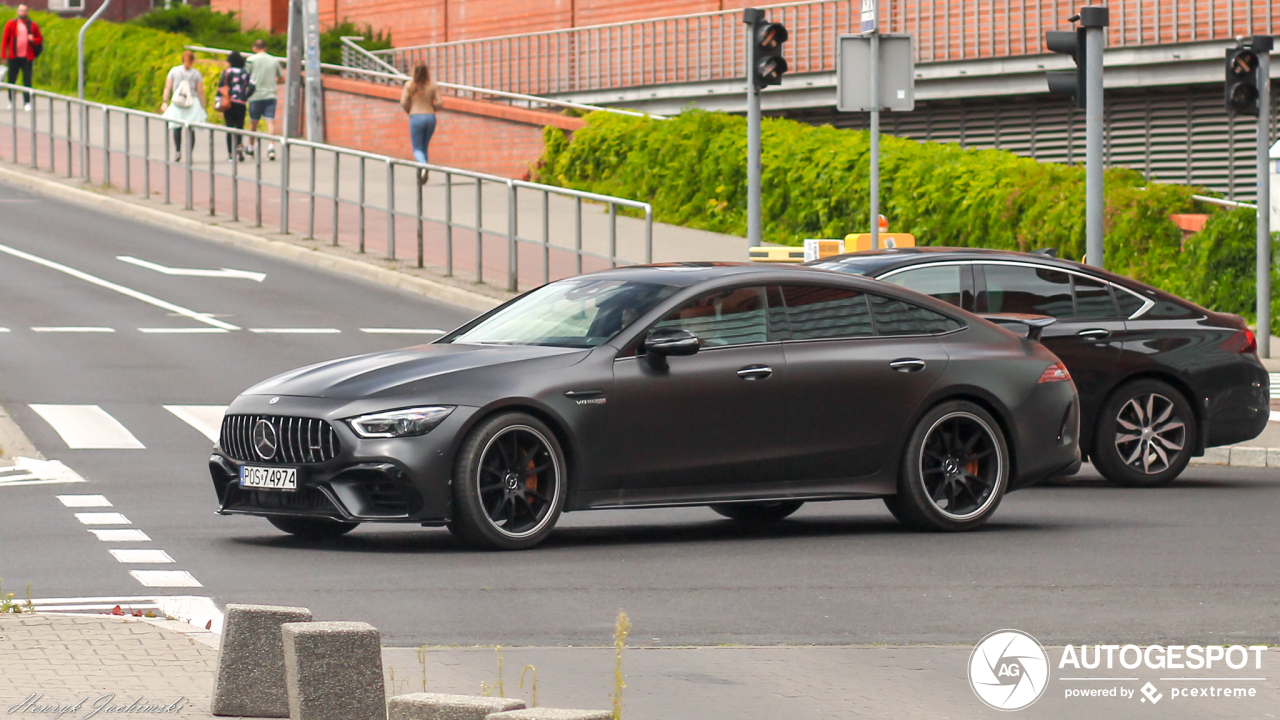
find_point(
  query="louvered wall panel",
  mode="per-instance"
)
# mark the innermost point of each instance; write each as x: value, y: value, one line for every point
x: 1176, y: 135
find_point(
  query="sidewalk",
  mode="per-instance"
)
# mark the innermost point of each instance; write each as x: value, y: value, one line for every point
x: 64, y: 659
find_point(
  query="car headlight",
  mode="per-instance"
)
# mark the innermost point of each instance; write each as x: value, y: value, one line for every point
x: 409, y: 422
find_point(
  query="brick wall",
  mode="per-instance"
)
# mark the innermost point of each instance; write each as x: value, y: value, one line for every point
x: 270, y: 15
x: 120, y: 10
x: 473, y: 135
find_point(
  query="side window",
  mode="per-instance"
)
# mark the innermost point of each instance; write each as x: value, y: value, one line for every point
x: 896, y: 317
x: 826, y: 312
x: 1129, y: 303
x: 1093, y: 298
x: 1023, y: 289
x: 735, y: 316
x: 940, y: 281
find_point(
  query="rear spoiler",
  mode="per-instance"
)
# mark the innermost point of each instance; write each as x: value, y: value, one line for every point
x: 1035, y: 324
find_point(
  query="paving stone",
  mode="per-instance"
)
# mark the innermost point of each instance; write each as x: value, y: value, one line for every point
x: 551, y: 714
x: 1214, y: 456
x: 434, y: 706
x: 1248, y: 457
x: 333, y: 671
x: 249, y: 680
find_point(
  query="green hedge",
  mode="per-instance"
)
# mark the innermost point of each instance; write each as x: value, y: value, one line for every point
x: 815, y: 183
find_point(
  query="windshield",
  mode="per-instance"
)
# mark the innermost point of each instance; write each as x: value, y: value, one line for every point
x: 852, y: 266
x: 579, y: 312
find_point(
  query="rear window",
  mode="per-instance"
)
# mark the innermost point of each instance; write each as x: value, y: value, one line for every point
x: 824, y: 312
x: 895, y: 317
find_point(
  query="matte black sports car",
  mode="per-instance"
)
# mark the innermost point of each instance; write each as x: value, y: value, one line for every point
x: 752, y: 389
x: 1160, y: 378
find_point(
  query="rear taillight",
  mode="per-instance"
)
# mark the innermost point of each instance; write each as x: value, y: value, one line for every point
x: 1242, y: 342
x: 1055, y: 373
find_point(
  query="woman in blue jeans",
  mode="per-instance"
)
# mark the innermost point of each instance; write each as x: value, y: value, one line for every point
x: 421, y: 99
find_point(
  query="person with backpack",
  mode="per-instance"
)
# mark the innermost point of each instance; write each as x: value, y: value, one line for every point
x: 184, y: 100
x: 20, y: 45
x: 234, y: 90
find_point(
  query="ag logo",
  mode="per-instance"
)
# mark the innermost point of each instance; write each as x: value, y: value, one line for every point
x: 1008, y: 670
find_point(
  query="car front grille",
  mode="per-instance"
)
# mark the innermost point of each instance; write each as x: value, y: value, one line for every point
x: 297, y: 440
x: 305, y: 498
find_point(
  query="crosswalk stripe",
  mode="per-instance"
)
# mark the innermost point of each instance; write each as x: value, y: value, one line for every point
x: 88, y: 427
x: 73, y: 329
x: 4, y: 330
x: 141, y: 556
x: 29, y: 471
x: 115, y: 536
x: 102, y: 518
x: 205, y: 418
x: 165, y: 578
x: 83, y: 501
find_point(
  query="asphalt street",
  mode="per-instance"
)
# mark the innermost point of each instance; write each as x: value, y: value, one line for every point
x: 1074, y: 560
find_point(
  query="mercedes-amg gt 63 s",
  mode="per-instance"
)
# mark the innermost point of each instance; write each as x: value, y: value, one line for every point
x: 751, y: 389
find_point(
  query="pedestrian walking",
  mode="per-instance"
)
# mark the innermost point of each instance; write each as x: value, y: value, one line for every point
x: 20, y: 44
x: 264, y: 71
x: 421, y: 99
x: 184, y: 101
x: 234, y: 89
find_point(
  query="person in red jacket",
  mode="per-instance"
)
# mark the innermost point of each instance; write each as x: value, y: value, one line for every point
x: 19, y: 46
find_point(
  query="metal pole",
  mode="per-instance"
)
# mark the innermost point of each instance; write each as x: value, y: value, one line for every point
x: 513, y: 252
x: 875, y: 134
x: 314, y: 81
x: 750, y: 16
x: 391, y: 209
x: 1262, y: 44
x: 448, y: 224
x: 293, y: 72
x: 286, y: 161
x: 1095, y: 21
x: 80, y: 47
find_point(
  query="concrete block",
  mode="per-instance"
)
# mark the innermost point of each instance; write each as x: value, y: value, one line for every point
x: 333, y: 671
x: 433, y: 706
x: 1273, y: 457
x: 1214, y: 456
x: 249, y: 679
x: 551, y: 714
x: 1248, y: 457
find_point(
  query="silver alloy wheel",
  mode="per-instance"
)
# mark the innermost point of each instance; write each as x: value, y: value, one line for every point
x: 962, y: 465
x: 519, y: 481
x: 1148, y: 430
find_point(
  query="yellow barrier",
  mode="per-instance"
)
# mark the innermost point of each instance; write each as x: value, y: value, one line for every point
x: 776, y: 254
x: 857, y: 242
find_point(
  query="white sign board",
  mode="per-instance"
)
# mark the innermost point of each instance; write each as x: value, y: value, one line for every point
x: 868, y: 15
x: 897, y: 73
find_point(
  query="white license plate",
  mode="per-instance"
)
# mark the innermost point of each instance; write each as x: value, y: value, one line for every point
x: 268, y: 478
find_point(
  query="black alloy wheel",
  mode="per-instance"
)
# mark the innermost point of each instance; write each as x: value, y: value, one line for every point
x: 313, y: 528
x: 767, y: 511
x: 1146, y: 434
x: 955, y: 469
x: 509, y: 484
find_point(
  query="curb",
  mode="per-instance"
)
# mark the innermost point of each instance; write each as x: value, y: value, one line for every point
x: 122, y: 205
x: 13, y: 442
x: 1240, y: 456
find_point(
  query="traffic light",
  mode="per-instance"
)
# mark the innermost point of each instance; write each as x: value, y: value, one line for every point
x: 1242, y: 81
x: 769, y: 65
x: 1068, y: 82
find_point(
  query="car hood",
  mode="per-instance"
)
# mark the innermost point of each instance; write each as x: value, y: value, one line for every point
x: 410, y: 370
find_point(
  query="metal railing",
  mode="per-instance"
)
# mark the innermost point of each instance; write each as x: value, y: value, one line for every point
x: 707, y: 47
x: 369, y: 201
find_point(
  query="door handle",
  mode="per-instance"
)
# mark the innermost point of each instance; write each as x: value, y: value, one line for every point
x: 907, y: 365
x: 755, y: 372
x: 1094, y: 334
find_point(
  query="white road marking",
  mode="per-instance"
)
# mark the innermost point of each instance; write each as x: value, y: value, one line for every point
x: 4, y: 330
x: 183, y: 331
x: 150, y: 300
x: 79, y: 329
x: 115, y: 536
x: 402, y: 331
x: 165, y: 578
x: 84, y: 501
x: 1275, y: 416
x: 88, y: 427
x: 102, y: 518
x: 296, y: 331
x: 141, y: 556
x: 29, y: 471
x: 201, y: 612
x: 205, y: 418
x: 192, y: 272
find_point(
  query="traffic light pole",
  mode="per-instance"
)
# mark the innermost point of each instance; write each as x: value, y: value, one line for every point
x: 1262, y: 45
x: 875, y: 134
x: 1095, y: 24
x: 753, y: 135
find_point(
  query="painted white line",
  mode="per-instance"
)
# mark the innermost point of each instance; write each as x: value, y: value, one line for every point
x: 402, y: 331
x: 4, y: 329
x: 200, y: 612
x: 102, y: 518
x: 28, y: 471
x: 141, y: 556
x: 205, y: 418
x: 80, y: 329
x: 296, y: 331
x: 1275, y: 416
x: 192, y: 272
x: 83, y: 501
x: 183, y: 331
x: 115, y: 536
x: 88, y: 427
x: 165, y: 578
x: 136, y: 295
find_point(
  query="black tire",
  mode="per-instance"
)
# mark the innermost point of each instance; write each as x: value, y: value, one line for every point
x: 313, y: 528
x: 501, y: 499
x: 758, y: 512
x: 1146, y: 432
x: 955, y: 470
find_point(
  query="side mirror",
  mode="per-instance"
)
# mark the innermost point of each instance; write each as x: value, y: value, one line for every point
x: 665, y: 342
